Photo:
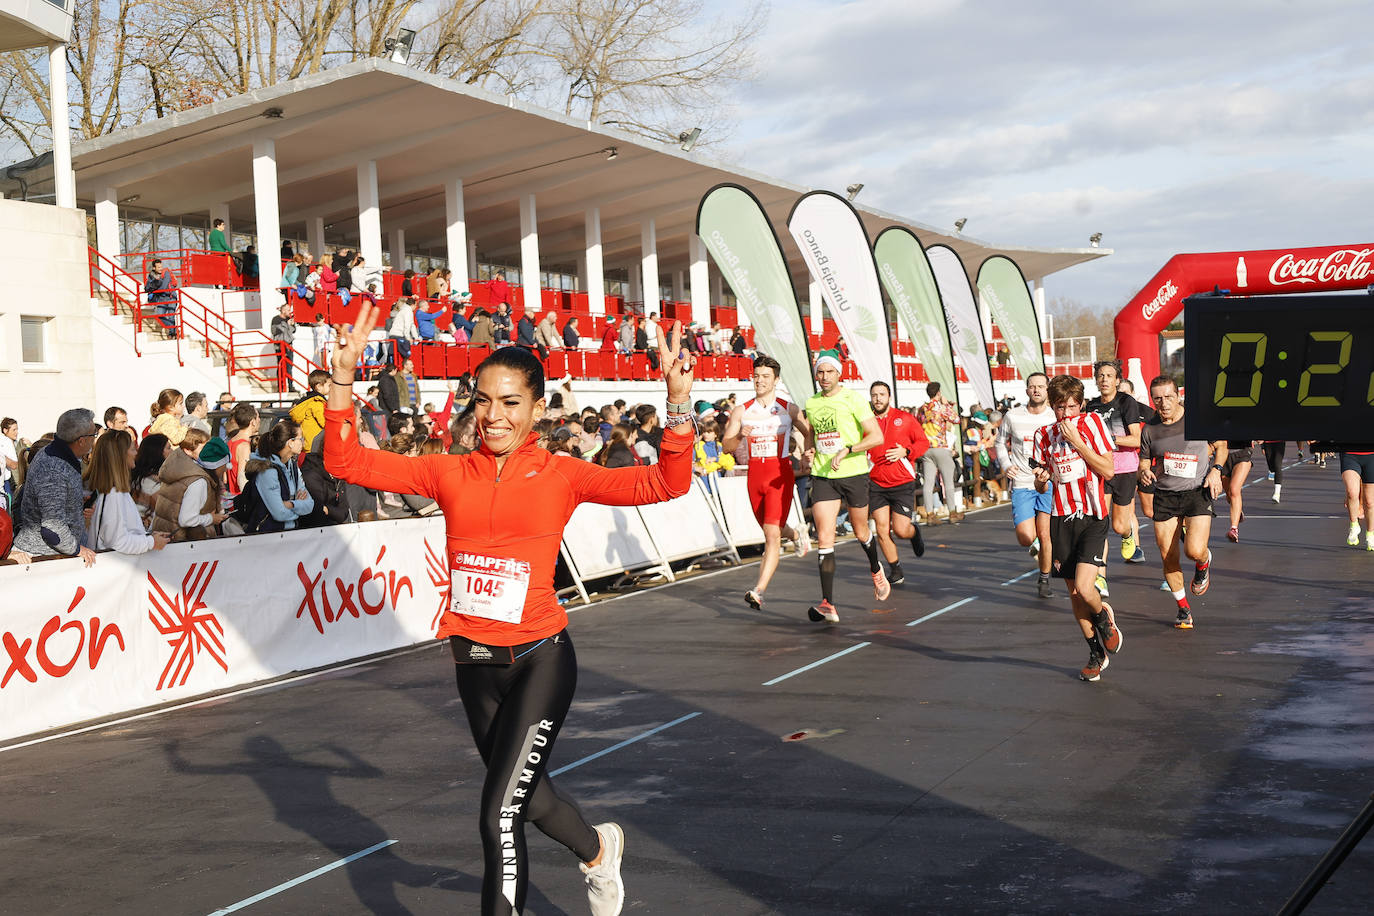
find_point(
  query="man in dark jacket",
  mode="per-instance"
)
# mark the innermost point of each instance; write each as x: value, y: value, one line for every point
x: 570, y: 337
x: 388, y: 393
x: 51, y: 519
x: 524, y: 335
x: 284, y: 333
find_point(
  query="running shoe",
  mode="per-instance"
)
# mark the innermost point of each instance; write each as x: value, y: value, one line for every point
x: 1299, y: 454
x: 1233, y: 535
x: 1093, y: 669
x: 1110, y: 633
x: 605, y: 890
x: 918, y: 542
x: 1369, y: 540
x: 1202, y: 576
x: 881, y: 588
x: 1137, y: 557
x: 1164, y: 586
x: 1275, y: 497
x: 1184, y: 621
x: 1034, y: 548
x: 956, y: 517
x: 1127, y: 547
x: 1271, y: 475
x: 1043, y: 589
x: 896, y: 576
x: 823, y: 611
x: 1353, y: 538
x: 1101, y: 584
x: 753, y: 599
x: 803, y: 542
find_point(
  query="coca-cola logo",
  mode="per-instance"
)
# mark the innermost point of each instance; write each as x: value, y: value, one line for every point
x: 1161, y: 299
x: 1340, y: 266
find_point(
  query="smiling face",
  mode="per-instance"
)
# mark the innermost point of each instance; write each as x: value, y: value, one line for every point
x: 505, y: 409
x: 765, y: 381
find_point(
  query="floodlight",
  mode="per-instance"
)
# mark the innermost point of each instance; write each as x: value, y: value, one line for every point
x: 854, y: 189
x: 1095, y: 239
x: 688, y: 139
x: 399, y: 47
x: 960, y: 223
x: 611, y: 152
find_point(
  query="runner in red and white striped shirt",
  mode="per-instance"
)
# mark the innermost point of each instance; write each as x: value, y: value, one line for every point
x: 1075, y: 456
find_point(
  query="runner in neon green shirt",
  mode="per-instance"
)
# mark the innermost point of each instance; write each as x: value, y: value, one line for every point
x: 842, y: 429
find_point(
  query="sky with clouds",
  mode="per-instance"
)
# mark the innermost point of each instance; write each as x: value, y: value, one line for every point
x: 1167, y: 126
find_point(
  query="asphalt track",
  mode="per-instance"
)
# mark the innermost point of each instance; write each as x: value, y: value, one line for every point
x: 950, y: 762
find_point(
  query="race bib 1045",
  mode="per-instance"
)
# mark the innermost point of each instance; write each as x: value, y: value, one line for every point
x: 490, y: 587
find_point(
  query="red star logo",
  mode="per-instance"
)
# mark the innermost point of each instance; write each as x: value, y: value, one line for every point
x: 441, y: 577
x: 190, y: 628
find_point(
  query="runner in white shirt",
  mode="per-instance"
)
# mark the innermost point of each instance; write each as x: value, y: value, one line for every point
x: 766, y: 422
x: 1030, y: 509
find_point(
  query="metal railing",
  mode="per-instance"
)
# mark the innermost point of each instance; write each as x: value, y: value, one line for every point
x: 124, y: 290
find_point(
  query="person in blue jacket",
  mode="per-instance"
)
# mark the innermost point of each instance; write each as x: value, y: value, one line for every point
x: 277, y: 475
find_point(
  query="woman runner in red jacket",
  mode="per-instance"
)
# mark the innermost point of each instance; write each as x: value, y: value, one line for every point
x: 505, y: 506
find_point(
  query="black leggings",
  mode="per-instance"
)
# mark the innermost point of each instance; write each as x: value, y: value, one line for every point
x: 1273, y: 455
x: 515, y: 712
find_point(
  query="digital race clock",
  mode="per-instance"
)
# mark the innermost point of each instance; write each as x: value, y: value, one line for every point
x: 1279, y: 367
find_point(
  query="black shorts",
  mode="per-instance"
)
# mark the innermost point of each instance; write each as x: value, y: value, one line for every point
x: 1236, y: 456
x: 1076, y: 539
x: 1122, y: 488
x: 1181, y: 504
x: 853, y: 490
x: 901, y: 498
x: 1360, y: 464
x: 1147, y: 488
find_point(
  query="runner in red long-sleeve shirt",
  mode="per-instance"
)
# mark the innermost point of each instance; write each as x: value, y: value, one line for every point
x: 892, y: 479
x: 505, y: 506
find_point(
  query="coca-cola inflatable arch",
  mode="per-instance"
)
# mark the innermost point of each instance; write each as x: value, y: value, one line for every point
x: 1279, y: 270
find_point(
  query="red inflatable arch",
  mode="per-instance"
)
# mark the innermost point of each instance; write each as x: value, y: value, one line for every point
x: 1279, y: 270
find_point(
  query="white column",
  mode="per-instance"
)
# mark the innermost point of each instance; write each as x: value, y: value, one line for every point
x: 456, y: 235
x: 397, y: 239
x: 817, y: 304
x: 107, y: 223
x: 314, y: 237
x: 1038, y: 298
x: 594, y: 274
x: 64, y: 180
x: 221, y: 211
x: 267, y: 212
x: 529, y: 253
x: 369, y: 214
x: 648, y: 263
x: 702, y: 284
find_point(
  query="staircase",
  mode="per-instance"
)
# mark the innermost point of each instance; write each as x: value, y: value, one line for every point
x: 202, y: 338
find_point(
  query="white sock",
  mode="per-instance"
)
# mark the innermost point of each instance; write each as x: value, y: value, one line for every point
x: 1277, y: 488
x: 1178, y: 595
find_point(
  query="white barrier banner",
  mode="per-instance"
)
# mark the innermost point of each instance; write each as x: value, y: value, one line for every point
x: 608, y: 539
x: 686, y: 526
x: 739, y: 513
x: 965, y: 327
x: 130, y: 632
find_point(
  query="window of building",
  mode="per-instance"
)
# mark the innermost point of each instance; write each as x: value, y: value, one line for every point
x: 33, y: 334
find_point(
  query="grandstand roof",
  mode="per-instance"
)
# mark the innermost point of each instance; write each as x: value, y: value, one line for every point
x: 422, y: 129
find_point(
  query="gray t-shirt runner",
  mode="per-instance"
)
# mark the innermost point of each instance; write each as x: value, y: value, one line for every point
x: 1179, y: 464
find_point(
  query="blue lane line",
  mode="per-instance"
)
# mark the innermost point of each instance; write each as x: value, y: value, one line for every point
x: 625, y: 743
x: 943, y: 610
x: 303, y: 878
x: 803, y: 668
x: 1020, y: 577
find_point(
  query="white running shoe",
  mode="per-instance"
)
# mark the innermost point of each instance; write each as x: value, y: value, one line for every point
x: 803, y: 542
x: 605, y: 890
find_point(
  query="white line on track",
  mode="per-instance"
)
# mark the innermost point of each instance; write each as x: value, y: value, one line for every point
x: 945, y: 609
x: 829, y: 658
x: 1022, y: 576
x: 302, y: 879
x: 628, y: 741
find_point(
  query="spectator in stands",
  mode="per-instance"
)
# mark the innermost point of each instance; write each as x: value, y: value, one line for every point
x: 627, y: 335
x: 314, y: 283
x: 188, y: 506
x: 408, y: 283
x: 401, y: 331
x: 218, y: 241
x: 500, y: 323
x: 612, y: 335
x: 250, y: 265
x: 51, y: 520
x: 143, y: 481
x: 308, y: 412
x: 464, y: 432
x: 458, y: 309
x: 483, y: 331
x: 116, y: 418
x: 433, y: 282
x: 445, y: 283
x: 560, y: 442
x: 162, y: 296
x: 426, y: 316
x: 291, y: 276
x: 9, y: 455
x: 737, y: 342
x: 526, y: 337
x: 570, y: 335
x: 650, y: 435
x: 329, y: 494
x: 712, y: 460
x: 284, y: 334
x: 197, y: 410
x: 651, y: 337
x: 168, y: 410
x: 720, y: 339
x: 619, y: 451
x: 287, y: 252
x: 246, y: 423
x: 500, y: 289
x: 409, y: 386
x: 361, y: 277
x: 283, y: 491
x: 546, y: 333
x: 115, y: 522
x: 388, y: 393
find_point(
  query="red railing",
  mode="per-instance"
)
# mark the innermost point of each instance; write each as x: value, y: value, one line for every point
x: 123, y: 288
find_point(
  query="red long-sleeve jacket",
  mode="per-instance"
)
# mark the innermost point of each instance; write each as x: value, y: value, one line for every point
x: 517, y: 516
x: 899, y: 428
